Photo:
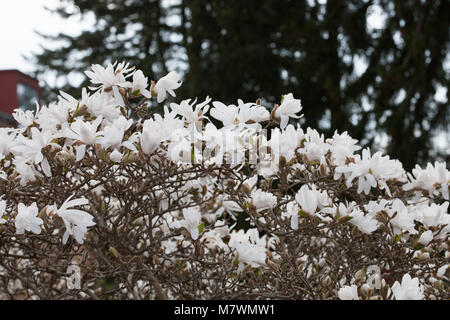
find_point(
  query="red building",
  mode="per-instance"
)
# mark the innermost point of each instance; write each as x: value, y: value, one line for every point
x: 16, y: 90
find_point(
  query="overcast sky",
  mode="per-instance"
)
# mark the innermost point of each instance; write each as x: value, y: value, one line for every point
x: 19, y: 19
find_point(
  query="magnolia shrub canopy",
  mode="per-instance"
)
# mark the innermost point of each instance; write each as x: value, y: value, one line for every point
x: 209, y: 201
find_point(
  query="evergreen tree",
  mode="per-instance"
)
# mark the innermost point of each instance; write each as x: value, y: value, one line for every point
x: 253, y: 48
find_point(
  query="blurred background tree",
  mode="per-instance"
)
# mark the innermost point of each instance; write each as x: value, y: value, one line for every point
x: 377, y: 69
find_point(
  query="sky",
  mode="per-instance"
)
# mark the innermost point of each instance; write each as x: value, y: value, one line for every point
x: 19, y: 19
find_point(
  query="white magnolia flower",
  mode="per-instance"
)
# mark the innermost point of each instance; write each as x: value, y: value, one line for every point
x: 140, y: 84
x: 191, y: 222
x: 409, y: 289
x: 434, y: 215
x: 26, y: 170
x: 289, y: 108
x: 151, y: 136
x: 426, y: 238
x: 292, y: 210
x: 75, y: 220
x: 342, y: 147
x: 116, y: 156
x: 250, y: 248
x: 111, y: 77
x: 251, y: 254
x: 83, y: 131
x: 32, y: 148
x: 24, y: 118
x: 263, y: 200
x: 250, y: 112
x: 166, y: 84
x: 228, y: 115
x: 189, y: 114
x: 112, y: 135
x: 371, y: 171
x: 27, y: 220
x: 314, y: 146
x: 285, y: 143
x: 180, y: 150
x: 7, y: 141
x: 53, y: 116
x: 240, y: 114
x: 348, y: 293
x: 403, y: 220
x: 2, y: 211
x: 364, y: 222
x: 434, y: 179
x: 228, y: 206
x: 99, y: 104
x: 308, y: 199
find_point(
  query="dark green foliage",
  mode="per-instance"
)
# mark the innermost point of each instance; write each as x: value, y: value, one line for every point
x: 253, y: 49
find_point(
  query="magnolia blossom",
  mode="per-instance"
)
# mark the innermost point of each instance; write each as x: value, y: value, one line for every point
x: 342, y: 147
x: 314, y: 146
x: 371, y: 171
x: 409, y: 289
x: 112, y: 77
x: 228, y: 206
x: 2, y: 211
x: 434, y: 179
x: 191, y: 222
x: 263, y: 200
x: 180, y: 151
x: 228, y: 115
x: 32, y: 148
x: 402, y: 220
x: 53, y: 116
x: 251, y: 254
x: 364, y: 222
x: 151, y: 136
x: 348, y: 293
x: 113, y: 135
x: 291, y: 212
x: 189, y: 114
x: 307, y: 199
x: 26, y: 170
x: 99, y: 104
x: 7, y: 140
x: 24, y: 118
x: 27, y: 219
x: 166, y: 84
x: 250, y: 248
x: 140, y: 84
x: 433, y: 215
x: 85, y: 132
x: 426, y: 238
x: 75, y: 220
x: 249, y: 113
x: 242, y: 113
x: 285, y: 143
x: 288, y: 109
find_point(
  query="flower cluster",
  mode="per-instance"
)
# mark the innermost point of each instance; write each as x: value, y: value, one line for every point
x: 230, y: 200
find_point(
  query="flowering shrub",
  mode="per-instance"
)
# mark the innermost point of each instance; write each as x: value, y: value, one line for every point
x: 209, y: 201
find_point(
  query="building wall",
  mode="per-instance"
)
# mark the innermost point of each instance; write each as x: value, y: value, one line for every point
x: 8, y: 92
